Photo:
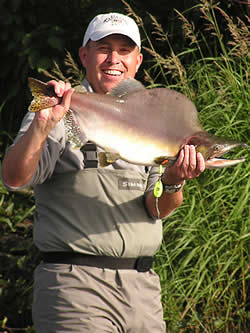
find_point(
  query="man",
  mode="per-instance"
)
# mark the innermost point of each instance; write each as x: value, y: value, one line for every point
x: 97, y: 228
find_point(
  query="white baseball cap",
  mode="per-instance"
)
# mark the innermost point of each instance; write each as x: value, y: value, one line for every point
x: 113, y: 23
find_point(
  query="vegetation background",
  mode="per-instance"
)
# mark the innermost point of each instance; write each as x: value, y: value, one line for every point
x: 200, y: 48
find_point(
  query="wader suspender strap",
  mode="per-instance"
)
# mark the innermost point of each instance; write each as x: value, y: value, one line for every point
x: 90, y: 155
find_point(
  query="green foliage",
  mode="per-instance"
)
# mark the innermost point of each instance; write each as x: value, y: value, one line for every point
x: 18, y: 258
x: 203, y: 263
x: 201, y: 51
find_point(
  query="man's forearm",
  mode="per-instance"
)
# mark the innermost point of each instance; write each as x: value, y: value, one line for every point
x: 21, y: 161
x: 166, y: 204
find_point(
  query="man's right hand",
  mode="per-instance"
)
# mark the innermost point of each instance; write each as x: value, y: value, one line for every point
x: 46, y: 119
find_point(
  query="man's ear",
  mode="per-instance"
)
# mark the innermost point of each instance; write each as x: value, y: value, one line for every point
x: 82, y: 55
x: 139, y: 61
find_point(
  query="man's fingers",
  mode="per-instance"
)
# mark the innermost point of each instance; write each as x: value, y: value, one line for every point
x: 67, y: 86
x: 180, y: 158
x: 60, y: 87
x: 192, y: 158
x: 200, y: 163
x: 186, y: 157
x: 67, y: 98
x: 188, y: 165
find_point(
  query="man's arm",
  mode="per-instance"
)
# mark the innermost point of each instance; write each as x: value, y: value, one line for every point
x: 188, y: 165
x: 21, y: 161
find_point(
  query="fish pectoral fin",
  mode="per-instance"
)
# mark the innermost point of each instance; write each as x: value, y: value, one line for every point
x: 107, y: 158
x: 165, y: 160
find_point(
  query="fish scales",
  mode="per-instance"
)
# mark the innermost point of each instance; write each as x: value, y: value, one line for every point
x: 141, y: 114
x: 114, y: 127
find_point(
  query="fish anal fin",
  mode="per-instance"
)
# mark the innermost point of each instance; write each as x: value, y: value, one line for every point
x: 107, y: 158
x: 126, y: 86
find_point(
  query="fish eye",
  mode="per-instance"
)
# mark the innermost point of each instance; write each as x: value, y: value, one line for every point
x: 216, y: 147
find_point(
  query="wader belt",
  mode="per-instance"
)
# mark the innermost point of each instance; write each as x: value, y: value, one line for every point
x: 90, y: 155
x: 141, y: 264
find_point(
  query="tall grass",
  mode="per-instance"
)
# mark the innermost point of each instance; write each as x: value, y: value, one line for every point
x: 204, y: 259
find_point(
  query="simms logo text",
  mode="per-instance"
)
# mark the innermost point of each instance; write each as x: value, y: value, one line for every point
x: 131, y: 184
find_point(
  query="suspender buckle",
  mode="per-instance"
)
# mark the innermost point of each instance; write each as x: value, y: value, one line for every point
x: 89, y: 151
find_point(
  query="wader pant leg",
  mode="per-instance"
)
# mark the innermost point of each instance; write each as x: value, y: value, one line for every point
x: 70, y: 298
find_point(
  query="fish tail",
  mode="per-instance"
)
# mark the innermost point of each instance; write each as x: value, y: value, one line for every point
x: 43, y: 95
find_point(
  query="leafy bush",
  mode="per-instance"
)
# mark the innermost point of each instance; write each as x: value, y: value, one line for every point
x: 18, y: 258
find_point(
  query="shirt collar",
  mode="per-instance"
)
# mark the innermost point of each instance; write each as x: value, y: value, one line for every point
x: 86, y: 84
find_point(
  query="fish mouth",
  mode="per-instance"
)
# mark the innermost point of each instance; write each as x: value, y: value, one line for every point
x: 216, y: 161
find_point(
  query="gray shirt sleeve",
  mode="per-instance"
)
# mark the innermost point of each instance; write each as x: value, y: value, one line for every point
x: 52, y: 149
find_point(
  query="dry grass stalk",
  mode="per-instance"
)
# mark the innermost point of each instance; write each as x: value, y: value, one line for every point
x: 158, y: 30
x: 154, y: 54
x: 73, y: 69
x: 73, y: 73
x: 148, y: 78
x: 207, y: 11
x: 56, y: 73
x: 131, y: 12
x: 175, y: 68
x: 188, y: 28
x: 240, y: 34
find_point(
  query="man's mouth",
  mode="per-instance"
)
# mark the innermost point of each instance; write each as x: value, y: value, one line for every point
x: 112, y: 72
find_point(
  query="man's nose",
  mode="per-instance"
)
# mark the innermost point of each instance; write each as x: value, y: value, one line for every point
x: 114, y: 57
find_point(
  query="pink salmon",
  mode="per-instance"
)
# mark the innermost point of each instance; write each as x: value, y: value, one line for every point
x: 139, y: 125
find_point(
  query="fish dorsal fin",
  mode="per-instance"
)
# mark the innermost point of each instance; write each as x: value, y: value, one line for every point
x: 126, y: 86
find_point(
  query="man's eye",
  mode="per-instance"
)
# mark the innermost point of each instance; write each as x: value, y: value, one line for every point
x: 125, y: 50
x: 103, y: 48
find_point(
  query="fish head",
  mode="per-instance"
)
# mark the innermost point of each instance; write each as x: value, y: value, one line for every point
x: 213, y: 148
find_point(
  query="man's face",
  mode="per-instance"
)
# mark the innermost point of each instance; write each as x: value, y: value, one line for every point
x: 109, y: 61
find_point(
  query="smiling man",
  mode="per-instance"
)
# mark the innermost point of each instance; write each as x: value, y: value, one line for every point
x: 110, y: 58
x: 98, y: 229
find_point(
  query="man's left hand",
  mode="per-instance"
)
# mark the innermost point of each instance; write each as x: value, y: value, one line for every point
x: 188, y: 165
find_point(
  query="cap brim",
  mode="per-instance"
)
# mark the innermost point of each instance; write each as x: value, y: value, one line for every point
x: 101, y: 34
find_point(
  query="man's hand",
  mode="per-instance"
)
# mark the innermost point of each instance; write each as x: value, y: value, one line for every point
x: 188, y: 165
x: 47, y: 118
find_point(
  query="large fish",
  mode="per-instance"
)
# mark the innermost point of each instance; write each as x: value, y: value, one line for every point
x: 139, y: 125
